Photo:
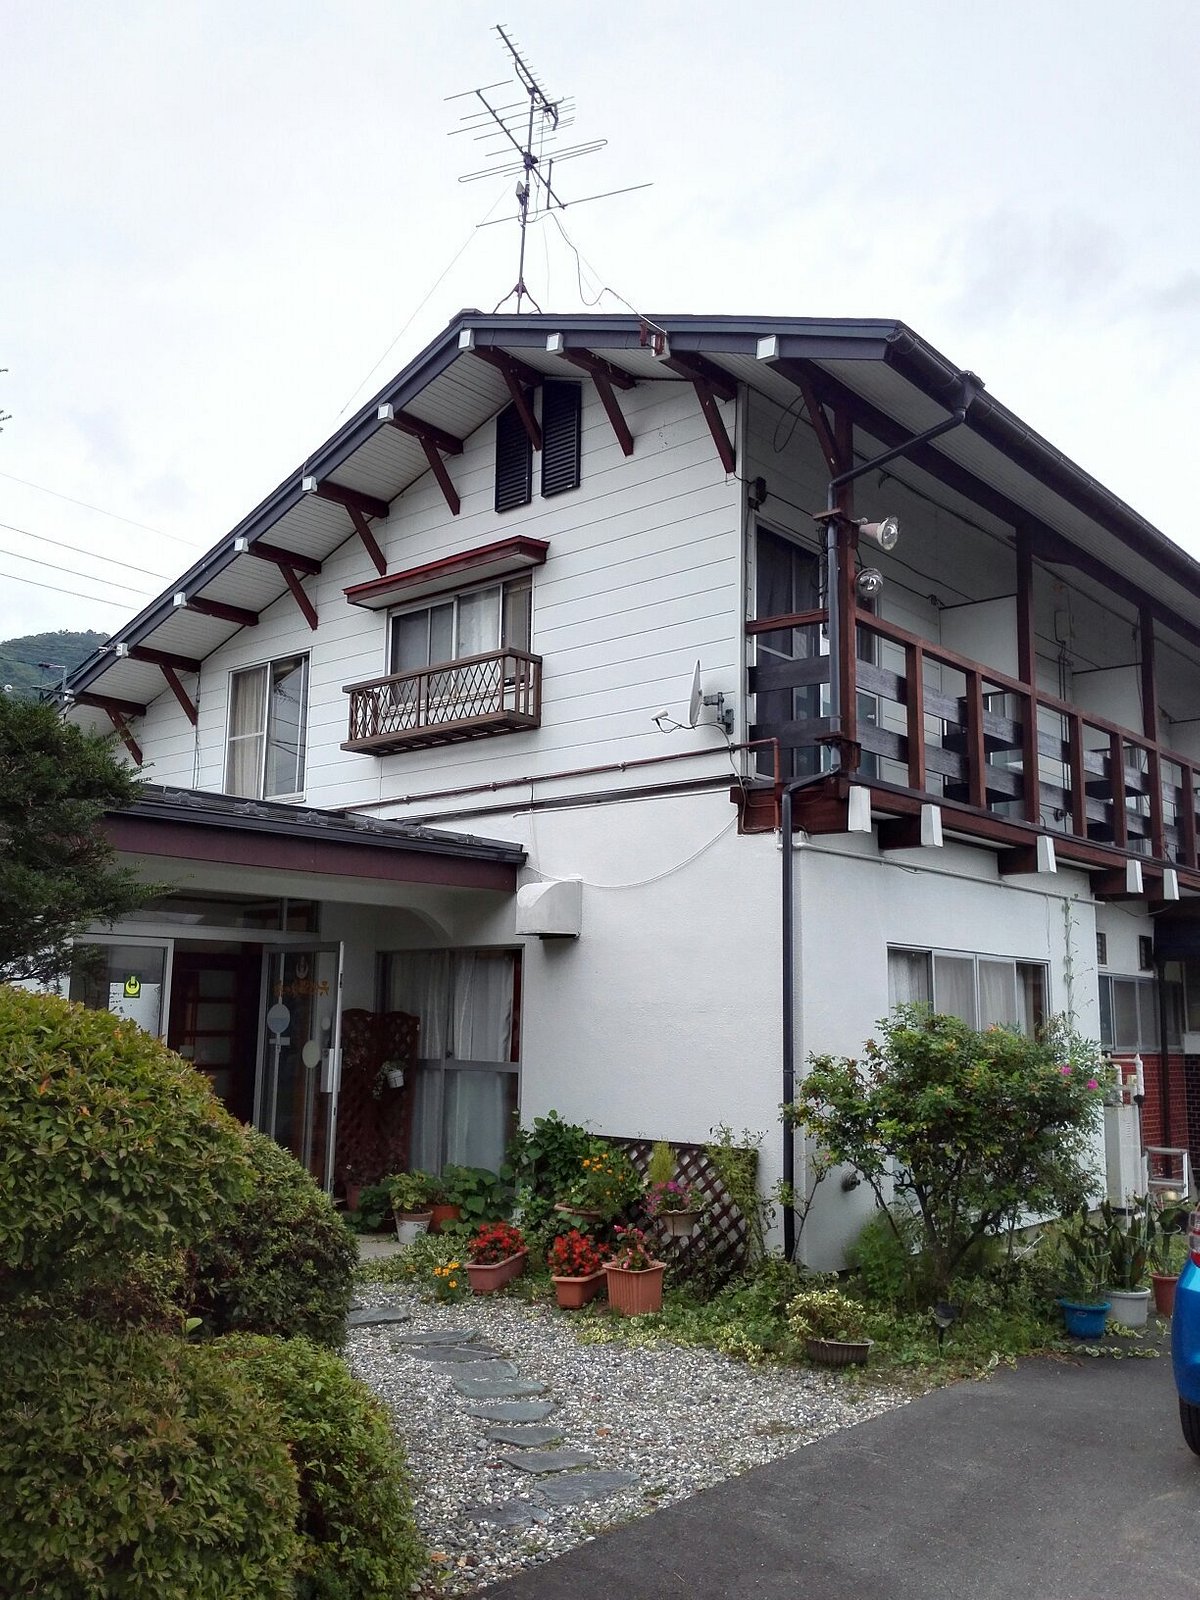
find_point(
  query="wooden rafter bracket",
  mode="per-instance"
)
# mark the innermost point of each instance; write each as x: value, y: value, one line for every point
x: 126, y: 738
x: 107, y: 702
x: 158, y: 658
x: 292, y: 579
x: 435, y: 442
x: 185, y: 700
x: 360, y: 507
x: 711, y: 384
x: 216, y: 608
x: 520, y: 380
x: 1133, y: 881
x: 280, y: 556
x: 606, y: 379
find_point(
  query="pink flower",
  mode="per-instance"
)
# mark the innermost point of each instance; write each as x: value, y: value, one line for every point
x: 1066, y: 1071
x: 1092, y: 1084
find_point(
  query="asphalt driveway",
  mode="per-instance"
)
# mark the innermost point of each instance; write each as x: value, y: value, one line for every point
x: 1057, y: 1481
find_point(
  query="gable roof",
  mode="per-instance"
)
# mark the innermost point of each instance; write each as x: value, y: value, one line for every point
x: 898, y: 383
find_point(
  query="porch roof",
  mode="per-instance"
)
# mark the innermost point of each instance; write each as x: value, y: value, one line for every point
x: 190, y: 824
x: 898, y: 383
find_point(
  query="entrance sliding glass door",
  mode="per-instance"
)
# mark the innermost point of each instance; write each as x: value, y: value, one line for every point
x: 300, y: 1054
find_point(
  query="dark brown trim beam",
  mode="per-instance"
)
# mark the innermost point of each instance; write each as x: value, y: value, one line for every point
x: 597, y: 365
x: 114, y: 707
x: 292, y: 579
x: 123, y: 733
x: 520, y: 380
x: 162, y: 658
x: 444, y: 482
x: 612, y: 410
x: 352, y: 499
x: 1052, y: 548
x: 283, y: 558
x: 820, y: 424
x: 368, y: 539
x: 699, y: 369
x: 448, y: 443
x: 218, y: 608
x: 180, y: 693
x: 1149, y: 673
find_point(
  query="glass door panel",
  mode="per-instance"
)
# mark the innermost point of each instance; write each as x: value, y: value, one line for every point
x: 300, y: 1054
x: 130, y: 978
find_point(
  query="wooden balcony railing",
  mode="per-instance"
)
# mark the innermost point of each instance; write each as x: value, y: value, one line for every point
x: 475, y: 697
x: 950, y: 729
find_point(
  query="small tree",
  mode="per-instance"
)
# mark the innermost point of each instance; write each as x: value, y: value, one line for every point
x: 57, y: 871
x: 969, y: 1129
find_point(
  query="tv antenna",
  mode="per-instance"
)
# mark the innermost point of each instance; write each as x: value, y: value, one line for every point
x: 519, y: 139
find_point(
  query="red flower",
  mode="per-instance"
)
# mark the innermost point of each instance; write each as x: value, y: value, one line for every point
x: 573, y: 1255
x: 493, y: 1242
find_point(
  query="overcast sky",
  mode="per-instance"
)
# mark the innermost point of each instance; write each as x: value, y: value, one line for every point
x: 220, y: 223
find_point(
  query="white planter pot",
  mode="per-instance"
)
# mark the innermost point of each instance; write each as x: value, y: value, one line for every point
x: 679, y: 1224
x: 410, y: 1228
x: 1129, y: 1307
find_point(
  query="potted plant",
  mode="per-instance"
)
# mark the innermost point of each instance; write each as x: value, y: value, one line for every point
x: 353, y: 1178
x: 832, y: 1327
x: 497, y: 1255
x: 576, y: 1269
x: 477, y: 1194
x: 443, y: 1207
x: 410, y: 1193
x: 635, y: 1278
x: 1127, y: 1238
x: 1168, y: 1254
x: 1083, y: 1269
x: 606, y: 1185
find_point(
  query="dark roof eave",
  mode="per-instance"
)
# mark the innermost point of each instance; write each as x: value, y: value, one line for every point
x: 301, y: 822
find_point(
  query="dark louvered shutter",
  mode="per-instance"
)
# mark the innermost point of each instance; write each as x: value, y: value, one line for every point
x: 560, y: 436
x: 514, y: 462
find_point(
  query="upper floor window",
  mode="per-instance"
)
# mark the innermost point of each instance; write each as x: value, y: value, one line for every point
x: 1129, y: 1013
x: 561, y: 445
x: 268, y: 716
x: 982, y: 991
x: 473, y: 623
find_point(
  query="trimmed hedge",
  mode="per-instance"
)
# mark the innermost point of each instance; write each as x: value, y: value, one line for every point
x: 134, y: 1465
x: 110, y: 1146
x: 281, y: 1262
x: 360, y: 1541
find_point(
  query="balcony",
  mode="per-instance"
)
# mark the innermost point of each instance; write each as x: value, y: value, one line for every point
x: 475, y: 697
x: 1004, y: 760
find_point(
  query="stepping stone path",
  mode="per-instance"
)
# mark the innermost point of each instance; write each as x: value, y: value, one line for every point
x: 481, y: 1374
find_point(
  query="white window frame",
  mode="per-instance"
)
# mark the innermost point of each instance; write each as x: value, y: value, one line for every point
x: 1147, y: 1013
x: 931, y: 954
x: 265, y: 731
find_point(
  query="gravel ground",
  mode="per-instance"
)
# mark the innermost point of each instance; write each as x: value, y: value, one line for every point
x: 679, y: 1419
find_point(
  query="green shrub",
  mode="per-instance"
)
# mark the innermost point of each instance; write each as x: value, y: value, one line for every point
x: 356, y: 1521
x: 133, y: 1465
x: 374, y: 1214
x: 482, y: 1194
x: 542, y: 1162
x: 826, y: 1313
x: 888, y: 1260
x: 282, y: 1263
x: 110, y: 1146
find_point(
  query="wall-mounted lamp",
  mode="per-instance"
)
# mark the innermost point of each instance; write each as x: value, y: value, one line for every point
x: 884, y: 534
x: 756, y: 493
x: 869, y: 583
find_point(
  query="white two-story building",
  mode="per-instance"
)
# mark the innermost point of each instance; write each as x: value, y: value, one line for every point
x: 436, y: 783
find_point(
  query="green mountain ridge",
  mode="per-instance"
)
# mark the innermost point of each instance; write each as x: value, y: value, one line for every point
x: 19, y: 658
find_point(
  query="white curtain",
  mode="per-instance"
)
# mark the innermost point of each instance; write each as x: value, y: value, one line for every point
x: 908, y: 978
x: 419, y: 983
x: 483, y: 1000
x: 997, y: 994
x: 954, y: 987
x: 247, y: 729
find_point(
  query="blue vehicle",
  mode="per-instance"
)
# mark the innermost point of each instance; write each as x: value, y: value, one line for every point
x: 1185, y: 1338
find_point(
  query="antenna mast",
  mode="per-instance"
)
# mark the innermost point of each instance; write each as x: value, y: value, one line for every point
x: 518, y: 139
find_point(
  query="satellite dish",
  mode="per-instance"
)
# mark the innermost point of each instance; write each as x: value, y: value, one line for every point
x: 696, y: 700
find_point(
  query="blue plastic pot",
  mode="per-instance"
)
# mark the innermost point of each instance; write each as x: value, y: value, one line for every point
x: 1085, y: 1321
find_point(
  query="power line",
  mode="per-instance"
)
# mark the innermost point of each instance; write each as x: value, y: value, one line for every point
x: 57, y: 588
x: 88, y: 506
x: 91, y: 577
x: 76, y: 549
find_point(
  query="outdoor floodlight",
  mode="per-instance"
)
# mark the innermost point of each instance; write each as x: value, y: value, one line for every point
x: 869, y: 583
x: 884, y: 534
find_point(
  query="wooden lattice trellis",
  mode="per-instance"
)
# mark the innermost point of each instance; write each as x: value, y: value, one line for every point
x: 374, y: 1132
x: 718, y: 1247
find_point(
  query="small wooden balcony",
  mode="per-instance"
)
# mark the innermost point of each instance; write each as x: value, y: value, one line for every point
x: 475, y: 697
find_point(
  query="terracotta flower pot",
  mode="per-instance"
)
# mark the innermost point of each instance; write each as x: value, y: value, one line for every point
x: 443, y: 1214
x: 572, y: 1293
x: 353, y: 1195
x: 1163, y: 1284
x: 486, y: 1279
x: 838, y: 1352
x: 635, y: 1294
